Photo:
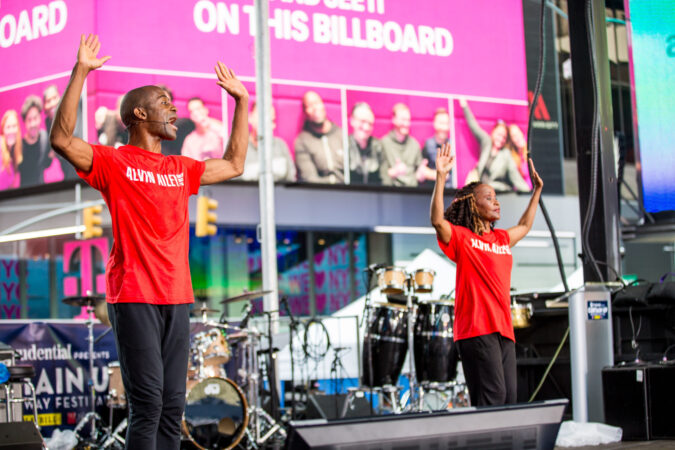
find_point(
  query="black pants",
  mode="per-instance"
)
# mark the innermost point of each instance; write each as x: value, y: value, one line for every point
x: 152, y: 344
x: 489, y: 364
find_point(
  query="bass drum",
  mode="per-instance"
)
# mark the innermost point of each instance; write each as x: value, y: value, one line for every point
x: 216, y: 414
x: 436, y: 354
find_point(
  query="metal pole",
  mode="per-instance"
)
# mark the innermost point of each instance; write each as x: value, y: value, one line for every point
x: 266, y: 181
x: 578, y: 355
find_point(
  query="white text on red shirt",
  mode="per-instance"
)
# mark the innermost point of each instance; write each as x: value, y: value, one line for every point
x: 145, y: 176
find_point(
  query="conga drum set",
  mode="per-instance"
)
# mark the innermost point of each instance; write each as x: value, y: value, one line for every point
x: 422, y: 329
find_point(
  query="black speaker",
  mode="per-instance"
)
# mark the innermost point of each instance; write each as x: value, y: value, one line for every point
x: 321, y: 406
x: 639, y: 399
x: 20, y: 436
x: 660, y: 400
x: 527, y: 426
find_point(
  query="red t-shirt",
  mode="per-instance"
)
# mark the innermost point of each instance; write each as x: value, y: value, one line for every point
x: 147, y: 195
x: 482, y: 289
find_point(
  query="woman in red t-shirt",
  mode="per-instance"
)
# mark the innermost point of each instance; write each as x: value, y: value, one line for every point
x: 466, y: 234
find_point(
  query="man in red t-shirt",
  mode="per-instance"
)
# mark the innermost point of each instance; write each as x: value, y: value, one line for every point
x: 148, y: 282
x: 483, y: 329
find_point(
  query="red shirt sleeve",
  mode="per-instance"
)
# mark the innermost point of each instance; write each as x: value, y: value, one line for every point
x: 195, y: 169
x: 97, y: 177
x: 450, y: 249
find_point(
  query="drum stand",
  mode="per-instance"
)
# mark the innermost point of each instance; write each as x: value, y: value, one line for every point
x: 261, y: 426
x: 414, y: 392
x: 92, y: 415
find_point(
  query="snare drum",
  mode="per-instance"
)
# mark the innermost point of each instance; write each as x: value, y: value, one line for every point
x: 385, y: 345
x: 424, y: 280
x: 212, y: 346
x: 116, y: 395
x: 216, y: 414
x: 391, y: 280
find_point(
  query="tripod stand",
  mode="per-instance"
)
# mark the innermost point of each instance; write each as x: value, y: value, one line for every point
x: 92, y: 416
x: 261, y: 426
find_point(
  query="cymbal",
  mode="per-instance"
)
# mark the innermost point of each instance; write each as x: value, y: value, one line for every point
x: 84, y: 300
x: 202, y: 310
x: 246, y: 296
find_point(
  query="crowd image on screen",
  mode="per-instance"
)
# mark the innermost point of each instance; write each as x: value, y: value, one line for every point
x: 11, y: 153
x: 111, y: 131
x: 365, y: 150
x: 207, y: 139
x: 495, y: 166
x: 38, y: 164
x: 518, y: 146
x: 402, y: 162
x: 319, y: 154
x: 441, y: 136
x: 51, y: 97
x: 185, y: 126
x: 283, y: 167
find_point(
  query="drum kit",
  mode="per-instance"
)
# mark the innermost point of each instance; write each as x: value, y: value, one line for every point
x: 219, y: 413
x: 407, y: 325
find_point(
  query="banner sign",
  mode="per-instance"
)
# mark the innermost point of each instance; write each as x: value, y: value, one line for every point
x: 429, y: 46
x: 59, y: 353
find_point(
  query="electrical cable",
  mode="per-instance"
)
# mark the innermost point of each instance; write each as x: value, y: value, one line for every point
x: 590, y: 209
x: 550, y: 365
x: 535, y: 98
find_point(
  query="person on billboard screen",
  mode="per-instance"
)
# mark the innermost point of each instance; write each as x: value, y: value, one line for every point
x: 51, y: 98
x: 206, y: 141
x: 441, y: 137
x: 109, y: 125
x: 466, y: 233
x: 10, y: 150
x: 319, y: 154
x: 185, y: 126
x: 148, y: 284
x: 365, y: 150
x: 402, y: 162
x: 38, y: 164
x: 518, y: 146
x: 495, y: 165
x: 283, y: 167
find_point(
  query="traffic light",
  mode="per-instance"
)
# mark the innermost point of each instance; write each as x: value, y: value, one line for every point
x: 206, y: 219
x: 92, y: 218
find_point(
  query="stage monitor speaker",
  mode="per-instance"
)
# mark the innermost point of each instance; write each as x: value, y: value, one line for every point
x: 331, y: 406
x: 20, y: 436
x: 639, y: 399
x: 525, y: 426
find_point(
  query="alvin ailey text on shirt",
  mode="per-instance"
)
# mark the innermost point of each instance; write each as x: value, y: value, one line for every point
x: 145, y: 176
x: 490, y: 248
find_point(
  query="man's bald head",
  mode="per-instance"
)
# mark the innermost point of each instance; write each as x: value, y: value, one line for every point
x: 137, y: 98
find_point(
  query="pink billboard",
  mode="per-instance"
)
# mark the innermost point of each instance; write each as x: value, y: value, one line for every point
x: 424, y: 54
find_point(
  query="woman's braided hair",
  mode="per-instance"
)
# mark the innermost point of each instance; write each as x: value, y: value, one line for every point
x: 463, y: 212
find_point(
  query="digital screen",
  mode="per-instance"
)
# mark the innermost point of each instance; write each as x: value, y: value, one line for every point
x: 652, y: 27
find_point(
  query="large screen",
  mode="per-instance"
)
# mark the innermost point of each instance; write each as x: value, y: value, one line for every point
x: 387, y: 76
x: 652, y: 33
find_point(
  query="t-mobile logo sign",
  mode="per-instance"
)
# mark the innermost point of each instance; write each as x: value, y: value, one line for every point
x: 84, y: 255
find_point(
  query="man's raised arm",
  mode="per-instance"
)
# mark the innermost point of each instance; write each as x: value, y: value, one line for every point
x: 75, y: 150
x: 232, y: 163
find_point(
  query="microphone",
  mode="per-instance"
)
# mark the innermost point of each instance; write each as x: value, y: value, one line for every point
x: 284, y: 302
x: 247, y: 316
x: 374, y: 267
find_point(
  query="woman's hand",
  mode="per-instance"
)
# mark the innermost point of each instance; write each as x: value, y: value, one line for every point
x: 444, y: 161
x: 537, y: 182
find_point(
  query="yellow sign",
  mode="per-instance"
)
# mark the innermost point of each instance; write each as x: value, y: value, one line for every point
x: 45, y: 420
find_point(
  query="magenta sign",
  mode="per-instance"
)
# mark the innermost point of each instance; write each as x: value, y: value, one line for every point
x: 454, y: 47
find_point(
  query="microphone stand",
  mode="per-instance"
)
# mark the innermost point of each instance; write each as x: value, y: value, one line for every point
x: 292, y: 327
x: 271, y: 370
